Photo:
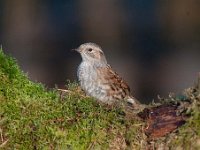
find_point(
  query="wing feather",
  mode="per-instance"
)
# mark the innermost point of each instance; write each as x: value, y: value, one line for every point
x: 117, y: 86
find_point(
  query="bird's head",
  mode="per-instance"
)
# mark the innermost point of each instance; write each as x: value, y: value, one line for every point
x: 92, y: 53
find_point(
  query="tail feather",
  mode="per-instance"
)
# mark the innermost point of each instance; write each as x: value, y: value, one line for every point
x: 135, y: 103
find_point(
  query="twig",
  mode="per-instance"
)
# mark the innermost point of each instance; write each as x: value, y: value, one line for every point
x: 64, y: 90
x: 4, y: 143
x: 71, y: 92
x: 1, y: 134
x: 2, y: 139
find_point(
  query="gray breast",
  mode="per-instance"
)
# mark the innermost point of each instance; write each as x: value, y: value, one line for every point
x: 88, y: 79
x: 86, y: 76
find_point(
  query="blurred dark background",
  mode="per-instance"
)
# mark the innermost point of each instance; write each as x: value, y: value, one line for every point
x: 154, y: 45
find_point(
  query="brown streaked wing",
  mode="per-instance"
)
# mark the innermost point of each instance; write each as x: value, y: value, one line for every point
x: 116, y: 83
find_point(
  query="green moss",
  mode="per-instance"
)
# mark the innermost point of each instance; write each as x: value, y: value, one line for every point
x: 33, y: 117
x: 188, y: 135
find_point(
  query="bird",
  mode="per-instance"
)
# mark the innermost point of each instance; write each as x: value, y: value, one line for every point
x: 98, y: 80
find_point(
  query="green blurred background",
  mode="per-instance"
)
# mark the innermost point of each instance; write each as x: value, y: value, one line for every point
x: 154, y: 45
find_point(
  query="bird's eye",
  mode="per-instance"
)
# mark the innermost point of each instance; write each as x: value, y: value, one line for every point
x: 90, y: 49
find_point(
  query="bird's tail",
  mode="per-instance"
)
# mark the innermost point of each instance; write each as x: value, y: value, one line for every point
x: 134, y: 102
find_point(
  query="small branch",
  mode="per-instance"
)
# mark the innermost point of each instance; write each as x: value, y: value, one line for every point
x: 64, y: 90
x: 70, y: 92
x: 4, y: 143
x: 1, y: 135
x: 2, y: 139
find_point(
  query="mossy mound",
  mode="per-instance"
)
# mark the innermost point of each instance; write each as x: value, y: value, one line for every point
x: 34, y: 117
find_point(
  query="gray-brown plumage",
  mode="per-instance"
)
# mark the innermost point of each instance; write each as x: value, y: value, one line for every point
x: 98, y: 79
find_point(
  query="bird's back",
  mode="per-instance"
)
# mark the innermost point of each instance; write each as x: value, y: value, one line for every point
x: 117, y: 87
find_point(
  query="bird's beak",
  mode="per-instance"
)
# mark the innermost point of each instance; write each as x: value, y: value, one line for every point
x: 76, y: 49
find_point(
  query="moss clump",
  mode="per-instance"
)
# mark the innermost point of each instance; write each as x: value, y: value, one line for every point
x: 32, y: 117
x: 188, y: 135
